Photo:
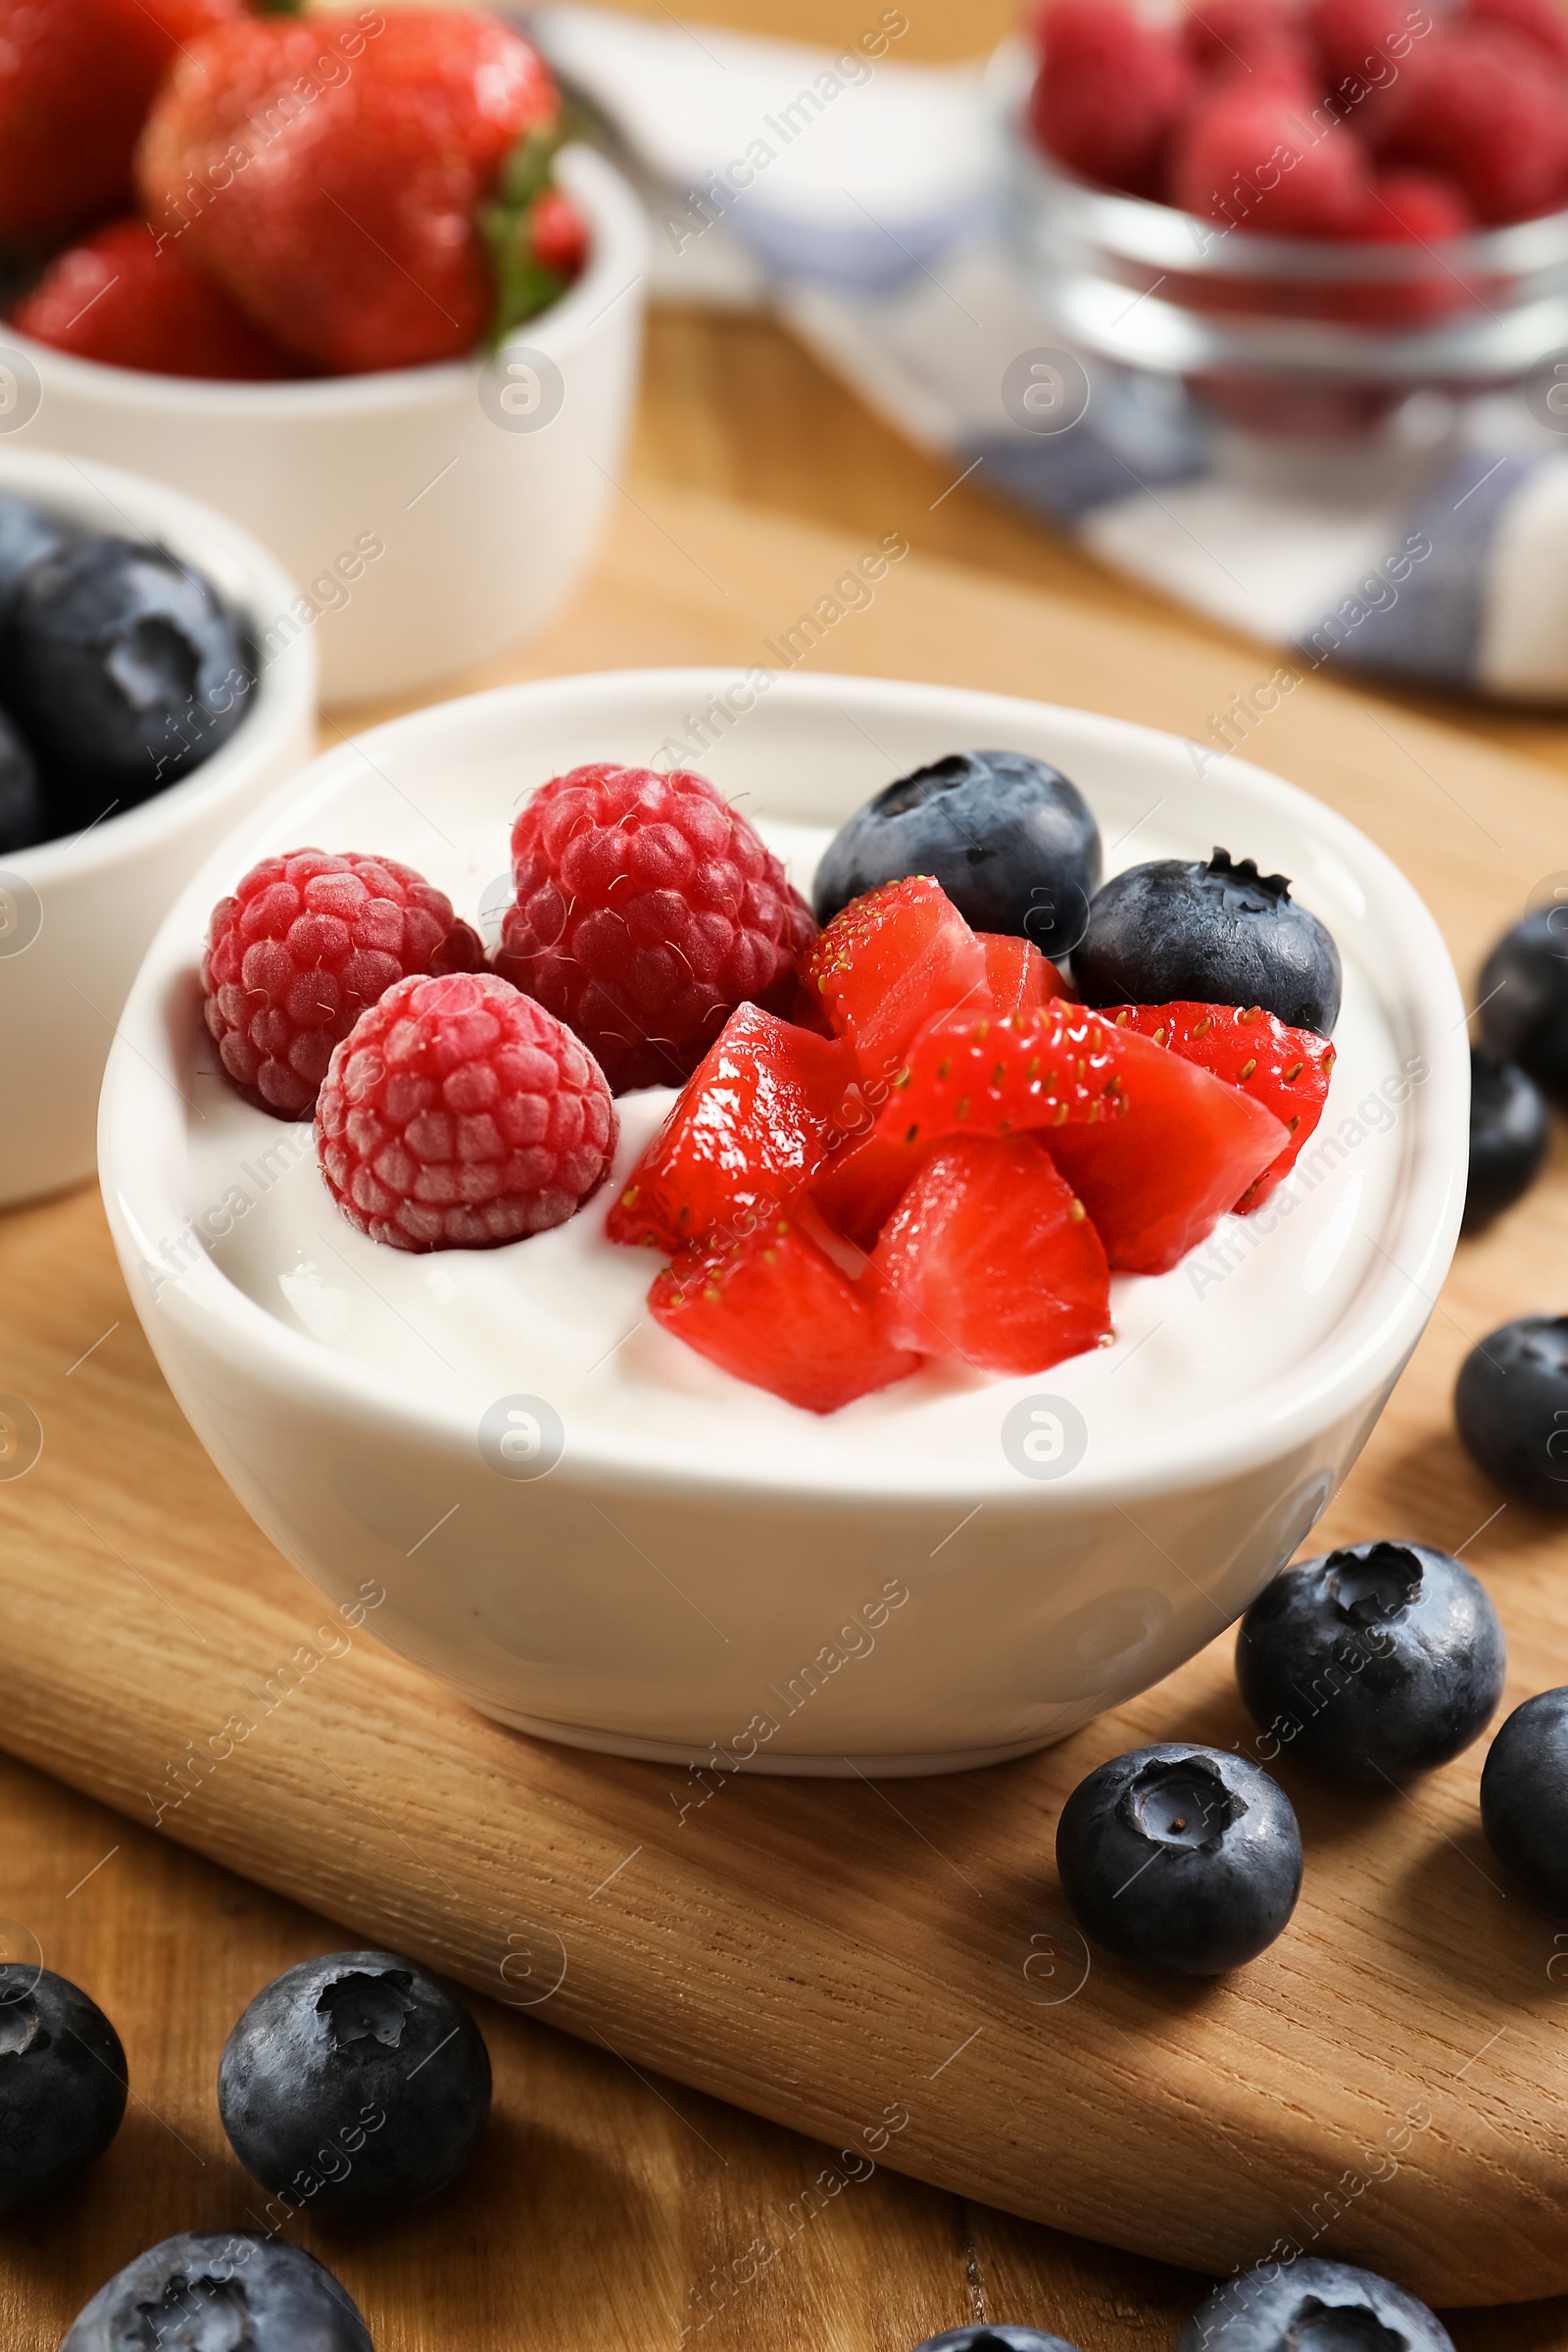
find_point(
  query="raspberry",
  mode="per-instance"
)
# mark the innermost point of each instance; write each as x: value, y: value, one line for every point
x: 306, y: 943
x: 1110, y: 88
x: 1479, y: 106
x: 1248, y: 38
x: 458, y: 1114
x: 1539, y: 21
x: 1250, y: 158
x: 646, y: 911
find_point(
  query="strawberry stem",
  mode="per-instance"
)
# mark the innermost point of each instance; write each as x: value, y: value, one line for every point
x: 523, y: 285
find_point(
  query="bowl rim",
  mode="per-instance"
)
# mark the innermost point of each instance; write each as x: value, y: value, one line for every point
x: 616, y: 260
x: 286, y: 690
x: 143, y: 1124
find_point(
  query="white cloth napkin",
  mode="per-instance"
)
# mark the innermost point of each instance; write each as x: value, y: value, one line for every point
x: 861, y: 197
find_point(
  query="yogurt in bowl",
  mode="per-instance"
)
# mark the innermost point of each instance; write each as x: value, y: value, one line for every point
x: 596, y: 1534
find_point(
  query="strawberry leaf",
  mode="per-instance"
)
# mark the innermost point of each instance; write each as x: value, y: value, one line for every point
x: 523, y: 285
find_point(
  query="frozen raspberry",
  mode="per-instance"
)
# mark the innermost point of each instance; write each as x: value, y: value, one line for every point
x: 458, y: 1114
x: 306, y: 943
x: 1111, y: 85
x: 646, y: 911
x: 1478, y: 104
x: 1250, y: 157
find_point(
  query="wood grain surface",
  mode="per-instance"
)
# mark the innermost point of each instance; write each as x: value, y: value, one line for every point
x: 838, y: 1958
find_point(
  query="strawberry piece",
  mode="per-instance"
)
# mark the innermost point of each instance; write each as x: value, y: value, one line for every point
x: 985, y: 1076
x: 991, y: 1258
x: 349, y: 228
x: 1017, y: 976
x: 857, y: 1188
x: 1255, y: 40
x: 558, y: 234
x: 751, y: 1126
x: 117, y: 298
x: 1244, y: 156
x: 1157, y: 1180
x: 1112, y: 86
x: 774, y: 1311
x: 1285, y: 1069
x: 76, y: 77
x: 891, y: 962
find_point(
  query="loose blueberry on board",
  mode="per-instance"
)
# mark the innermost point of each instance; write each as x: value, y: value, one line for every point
x: 1524, y: 1799
x: 1010, y: 839
x: 1374, y: 1662
x: 226, y: 2291
x: 1186, y: 1859
x: 22, y: 808
x: 1509, y: 1131
x: 124, y: 668
x: 62, y: 2083
x: 1523, y: 996
x: 355, y: 2084
x: 1311, y: 2306
x: 26, y: 533
x: 995, y: 2339
x: 1511, y: 1405
x: 1218, y: 932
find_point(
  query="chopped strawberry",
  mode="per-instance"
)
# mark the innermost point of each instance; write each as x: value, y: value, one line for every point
x: 558, y: 234
x: 129, y: 300
x: 774, y: 1311
x: 356, y: 181
x: 1285, y: 1069
x: 860, y: 1186
x: 888, y: 962
x: 985, y: 1076
x: 751, y: 1126
x: 990, y: 1258
x: 1157, y: 1180
x: 1017, y: 976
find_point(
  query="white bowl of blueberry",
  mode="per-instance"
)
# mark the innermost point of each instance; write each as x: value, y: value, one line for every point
x: 137, y: 721
x: 1015, y: 1338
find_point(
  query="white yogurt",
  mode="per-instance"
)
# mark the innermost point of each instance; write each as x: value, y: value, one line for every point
x: 563, y: 1315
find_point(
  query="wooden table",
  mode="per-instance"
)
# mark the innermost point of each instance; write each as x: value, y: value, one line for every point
x: 611, y: 2207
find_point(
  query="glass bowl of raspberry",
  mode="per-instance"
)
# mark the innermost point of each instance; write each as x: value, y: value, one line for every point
x: 1303, y: 215
x: 602, y: 1531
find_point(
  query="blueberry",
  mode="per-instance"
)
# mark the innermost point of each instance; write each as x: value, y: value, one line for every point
x: 62, y: 2083
x: 1523, y: 995
x: 226, y: 2290
x: 124, y: 668
x: 995, y: 2339
x: 355, y: 2084
x: 1010, y: 839
x: 1374, y: 1662
x: 22, y: 805
x: 1511, y: 1405
x: 26, y: 533
x: 1509, y: 1131
x: 1219, y: 933
x: 1524, y: 1799
x: 1311, y: 2306
x: 1184, y: 1858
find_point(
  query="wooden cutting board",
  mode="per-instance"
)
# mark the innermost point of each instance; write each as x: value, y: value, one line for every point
x: 889, y: 1968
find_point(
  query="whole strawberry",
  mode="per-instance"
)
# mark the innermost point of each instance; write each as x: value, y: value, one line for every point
x: 127, y: 298
x: 76, y: 77
x: 646, y: 911
x: 339, y: 184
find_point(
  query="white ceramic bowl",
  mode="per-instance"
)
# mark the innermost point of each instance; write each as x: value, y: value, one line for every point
x: 930, y: 1579
x: 77, y: 914
x: 431, y: 515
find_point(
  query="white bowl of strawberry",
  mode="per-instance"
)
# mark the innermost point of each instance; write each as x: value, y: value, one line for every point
x: 338, y: 275
x: 674, y: 1304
